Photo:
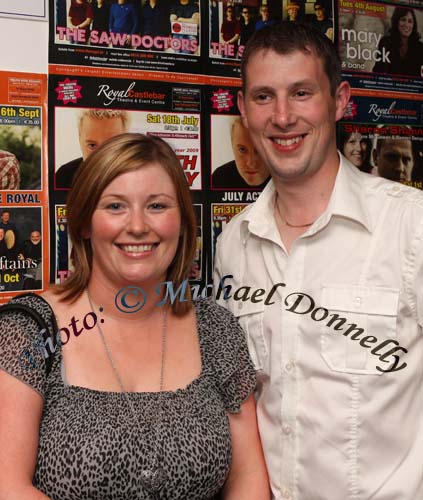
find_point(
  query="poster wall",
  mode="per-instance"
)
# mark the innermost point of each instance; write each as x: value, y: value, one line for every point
x: 175, y: 73
x: 23, y: 181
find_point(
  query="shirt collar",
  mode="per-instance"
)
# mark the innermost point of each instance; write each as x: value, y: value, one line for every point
x: 348, y: 200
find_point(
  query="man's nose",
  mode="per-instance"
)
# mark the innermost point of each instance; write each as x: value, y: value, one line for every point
x: 283, y: 114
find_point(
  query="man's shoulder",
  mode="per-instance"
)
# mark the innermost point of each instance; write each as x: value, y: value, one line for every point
x: 65, y: 173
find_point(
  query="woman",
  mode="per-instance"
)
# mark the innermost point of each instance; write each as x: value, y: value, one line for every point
x: 145, y: 405
x: 402, y: 46
x: 356, y: 148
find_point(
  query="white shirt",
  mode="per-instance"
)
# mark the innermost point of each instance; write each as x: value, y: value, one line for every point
x: 333, y: 426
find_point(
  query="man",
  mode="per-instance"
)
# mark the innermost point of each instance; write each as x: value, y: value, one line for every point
x: 94, y: 127
x: 321, y: 22
x: 123, y: 20
x: 185, y: 12
x: 265, y: 18
x: 32, y: 254
x: 292, y: 10
x: 325, y: 273
x: 393, y: 158
x: 10, y: 234
x: 247, y: 170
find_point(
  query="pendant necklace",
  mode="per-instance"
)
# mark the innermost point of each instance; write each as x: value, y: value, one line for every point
x: 154, y: 478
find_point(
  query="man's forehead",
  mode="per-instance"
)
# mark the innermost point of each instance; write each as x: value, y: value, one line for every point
x: 403, y: 144
x: 264, y: 55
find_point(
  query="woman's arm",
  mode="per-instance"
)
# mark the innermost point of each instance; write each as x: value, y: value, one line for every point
x: 247, y: 478
x: 20, y: 416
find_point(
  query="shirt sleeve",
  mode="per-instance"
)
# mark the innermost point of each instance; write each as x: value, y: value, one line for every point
x: 22, y: 349
x: 233, y: 369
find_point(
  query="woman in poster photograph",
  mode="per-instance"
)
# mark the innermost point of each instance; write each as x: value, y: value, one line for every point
x: 357, y: 149
x: 403, y: 45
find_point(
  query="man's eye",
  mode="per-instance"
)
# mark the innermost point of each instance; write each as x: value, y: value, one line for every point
x: 302, y: 93
x: 262, y: 97
x: 91, y: 146
x: 242, y: 149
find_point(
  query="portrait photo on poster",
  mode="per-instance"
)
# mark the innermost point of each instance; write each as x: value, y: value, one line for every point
x: 235, y: 163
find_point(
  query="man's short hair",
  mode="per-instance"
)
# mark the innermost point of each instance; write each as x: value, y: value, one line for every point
x: 383, y: 136
x: 104, y: 114
x: 236, y: 121
x: 287, y: 37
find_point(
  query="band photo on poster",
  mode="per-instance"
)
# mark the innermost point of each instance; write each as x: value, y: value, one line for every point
x: 126, y: 32
x: 21, y: 249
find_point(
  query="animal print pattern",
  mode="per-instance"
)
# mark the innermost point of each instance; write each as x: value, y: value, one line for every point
x: 89, y: 447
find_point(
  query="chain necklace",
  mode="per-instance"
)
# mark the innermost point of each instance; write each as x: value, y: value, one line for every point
x: 154, y: 478
x: 308, y: 224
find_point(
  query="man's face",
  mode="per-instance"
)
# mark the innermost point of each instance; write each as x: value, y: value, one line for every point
x: 319, y: 11
x: 394, y: 160
x: 5, y: 217
x: 94, y: 131
x: 35, y: 237
x: 292, y: 13
x: 1, y: 234
x: 264, y: 11
x: 291, y: 114
x: 250, y: 167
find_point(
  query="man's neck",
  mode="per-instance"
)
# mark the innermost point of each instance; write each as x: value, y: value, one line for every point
x: 302, y: 201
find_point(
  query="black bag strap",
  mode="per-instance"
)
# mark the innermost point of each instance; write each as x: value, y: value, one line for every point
x: 48, y: 332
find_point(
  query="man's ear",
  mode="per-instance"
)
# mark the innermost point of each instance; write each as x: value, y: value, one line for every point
x: 241, y: 108
x: 342, y: 97
x: 374, y: 155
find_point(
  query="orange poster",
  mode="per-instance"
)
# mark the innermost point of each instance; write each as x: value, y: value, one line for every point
x: 24, y: 226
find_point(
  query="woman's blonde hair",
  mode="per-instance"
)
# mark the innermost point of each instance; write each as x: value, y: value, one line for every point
x: 119, y: 155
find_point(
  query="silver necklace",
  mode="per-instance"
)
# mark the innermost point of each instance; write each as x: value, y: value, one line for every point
x: 154, y: 478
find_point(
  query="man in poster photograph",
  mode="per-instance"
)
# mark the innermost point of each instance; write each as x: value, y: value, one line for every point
x: 393, y: 158
x: 94, y: 127
x: 247, y: 170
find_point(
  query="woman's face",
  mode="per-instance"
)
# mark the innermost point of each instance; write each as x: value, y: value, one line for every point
x: 355, y: 149
x: 406, y: 25
x: 135, y: 228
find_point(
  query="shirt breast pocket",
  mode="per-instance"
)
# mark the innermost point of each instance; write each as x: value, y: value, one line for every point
x: 250, y: 316
x: 360, y: 318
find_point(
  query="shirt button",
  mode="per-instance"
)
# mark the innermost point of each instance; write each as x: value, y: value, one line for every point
x: 239, y: 305
x: 286, y: 493
x: 287, y: 430
x: 358, y: 302
x: 289, y: 366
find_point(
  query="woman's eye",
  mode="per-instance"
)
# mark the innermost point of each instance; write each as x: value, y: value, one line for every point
x: 157, y: 206
x: 114, y: 206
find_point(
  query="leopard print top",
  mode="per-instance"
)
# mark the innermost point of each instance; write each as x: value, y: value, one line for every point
x: 89, y: 448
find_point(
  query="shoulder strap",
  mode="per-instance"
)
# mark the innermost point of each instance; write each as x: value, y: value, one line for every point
x: 48, y: 332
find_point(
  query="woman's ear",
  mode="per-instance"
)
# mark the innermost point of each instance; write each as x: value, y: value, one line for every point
x: 86, y: 233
